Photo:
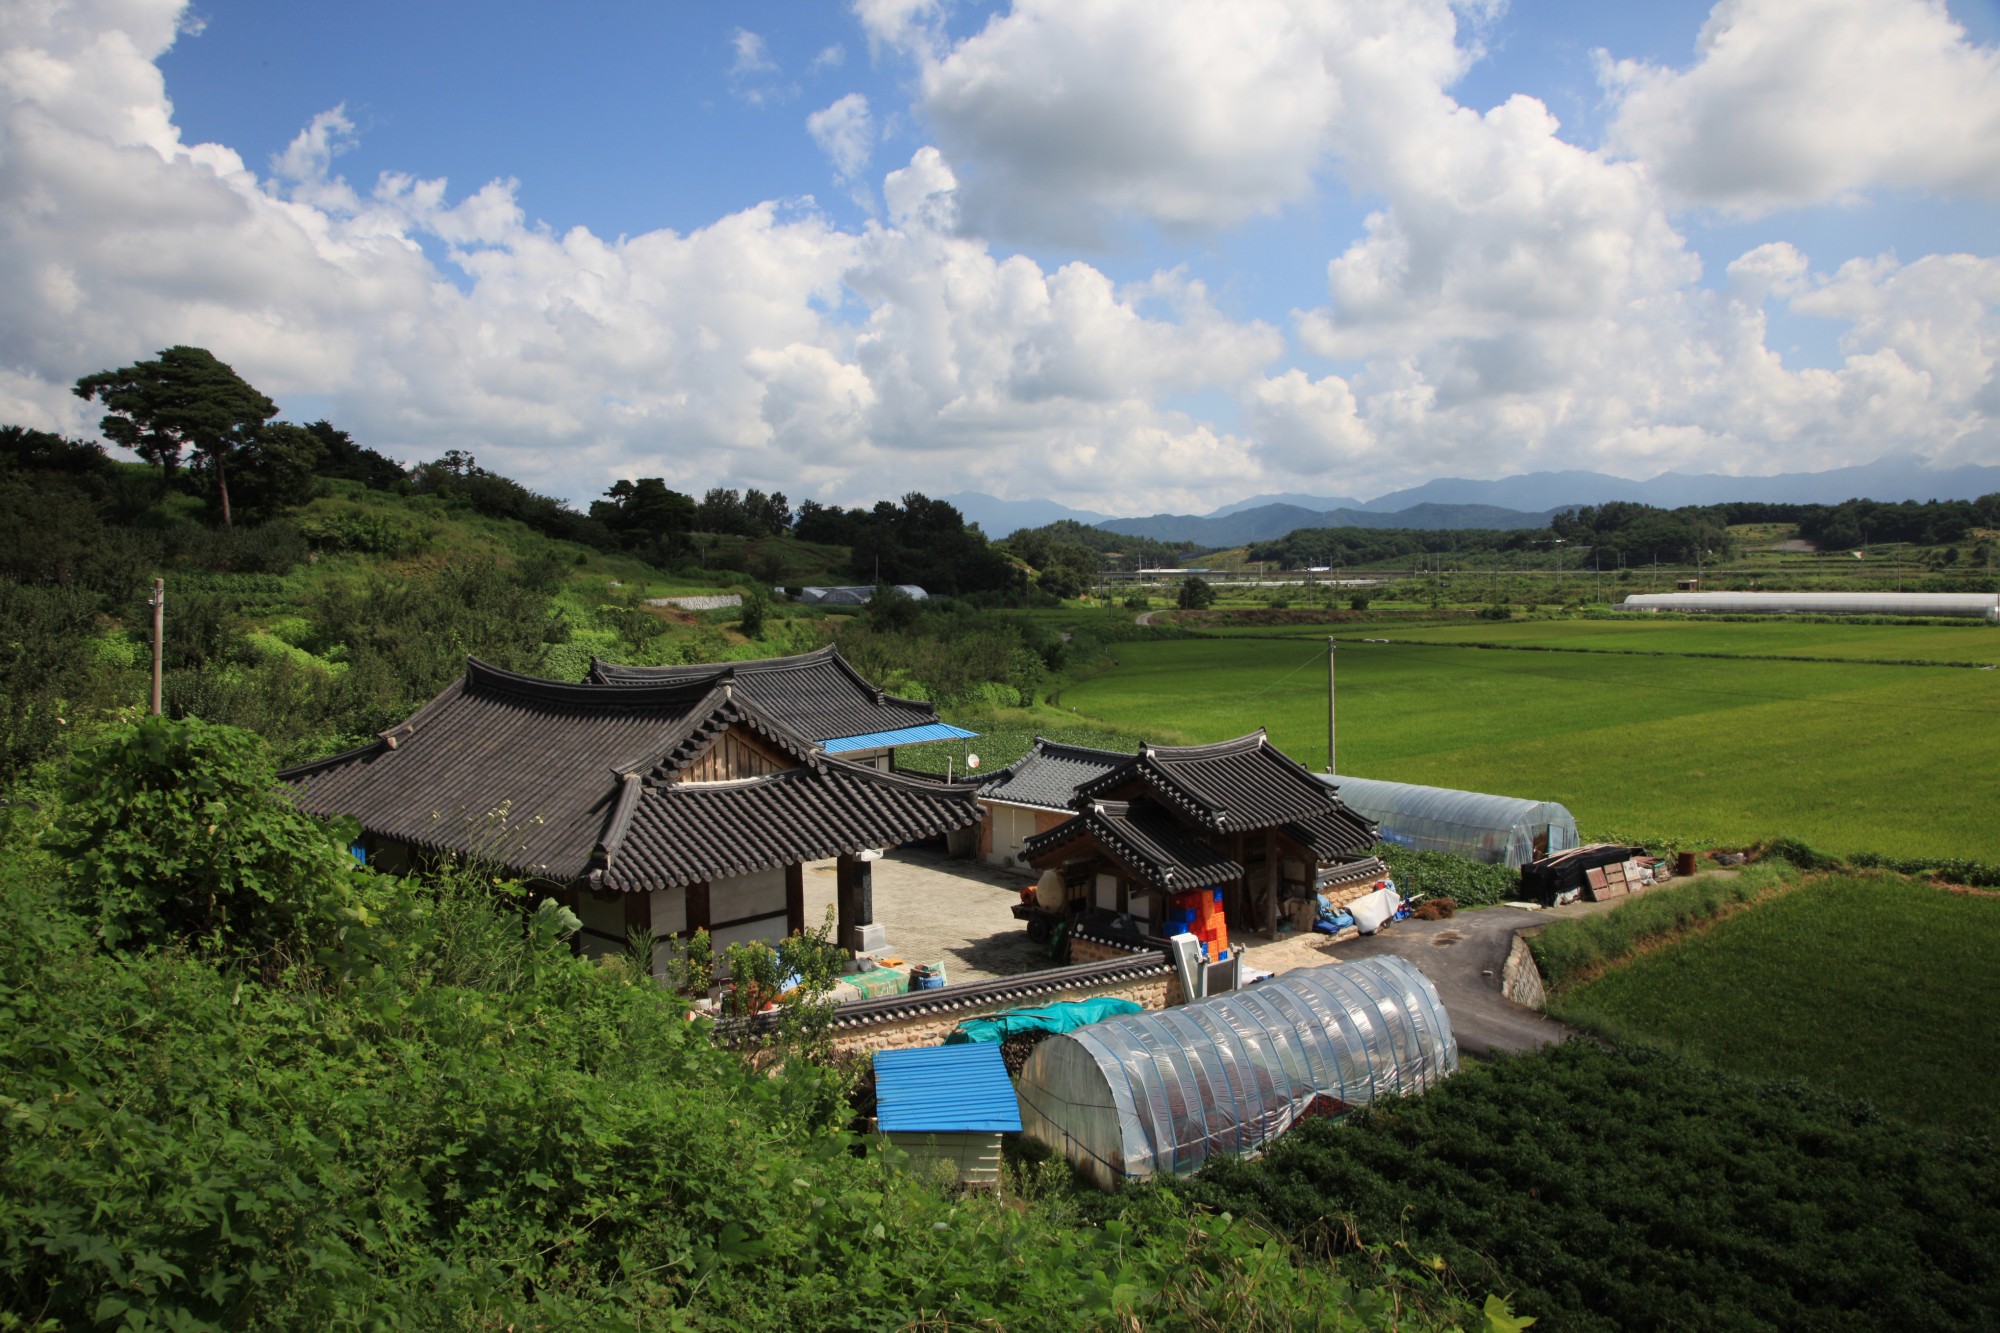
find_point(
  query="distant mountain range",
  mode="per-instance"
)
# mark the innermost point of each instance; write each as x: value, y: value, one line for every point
x: 1525, y: 501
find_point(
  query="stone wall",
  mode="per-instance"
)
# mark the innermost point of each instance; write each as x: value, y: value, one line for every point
x: 1520, y: 979
x: 932, y: 1029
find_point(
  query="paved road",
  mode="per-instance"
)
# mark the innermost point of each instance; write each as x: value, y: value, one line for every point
x: 1462, y: 956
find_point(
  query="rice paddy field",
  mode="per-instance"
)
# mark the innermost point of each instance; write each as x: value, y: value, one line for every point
x: 1898, y: 1004
x: 1971, y: 642
x: 1719, y: 741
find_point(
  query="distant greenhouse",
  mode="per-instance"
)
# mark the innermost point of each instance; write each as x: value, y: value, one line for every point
x: 1165, y: 1090
x: 1984, y: 605
x: 1503, y: 830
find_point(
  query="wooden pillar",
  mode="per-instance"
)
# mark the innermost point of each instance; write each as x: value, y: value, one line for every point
x: 854, y: 899
x: 1274, y: 878
x: 697, y: 906
x: 795, y: 898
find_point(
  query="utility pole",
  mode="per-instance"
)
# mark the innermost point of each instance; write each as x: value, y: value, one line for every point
x: 158, y: 601
x: 1329, y: 705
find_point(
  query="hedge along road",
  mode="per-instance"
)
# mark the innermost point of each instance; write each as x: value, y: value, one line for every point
x: 1847, y: 756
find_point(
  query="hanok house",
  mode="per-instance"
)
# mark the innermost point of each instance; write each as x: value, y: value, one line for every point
x: 1238, y: 815
x: 666, y: 807
x: 816, y: 694
x: 1033, y: 794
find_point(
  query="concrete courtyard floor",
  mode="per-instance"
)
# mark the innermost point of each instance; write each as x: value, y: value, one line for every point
x: 938, y: 910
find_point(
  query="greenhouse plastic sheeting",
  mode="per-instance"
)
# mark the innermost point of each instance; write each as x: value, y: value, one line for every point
x: 1163, y: 1091
x: 1503, y: 830
x: 1983, y: 604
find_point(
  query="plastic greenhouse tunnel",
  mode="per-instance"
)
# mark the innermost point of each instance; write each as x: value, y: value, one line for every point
x: 1504, y: 830
x: 1164, y: 1090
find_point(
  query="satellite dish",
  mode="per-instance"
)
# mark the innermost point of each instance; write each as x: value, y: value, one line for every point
x: 972, y: 761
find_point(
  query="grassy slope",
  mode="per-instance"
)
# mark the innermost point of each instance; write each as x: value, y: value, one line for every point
x: 1852, y: 757
x: 1873, y: 987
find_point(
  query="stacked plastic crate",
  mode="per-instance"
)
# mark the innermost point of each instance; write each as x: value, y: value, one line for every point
x: 1199, y: 914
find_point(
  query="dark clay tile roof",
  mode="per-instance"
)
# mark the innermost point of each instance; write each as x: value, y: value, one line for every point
x: 1335, y: 836
x: 1048, y: 775
x: 1146, y: 840
x: 817, y: 694
x: 551, y: 780
x: 679, y: 834
x: 1229, y: 786
x: 521, y: 771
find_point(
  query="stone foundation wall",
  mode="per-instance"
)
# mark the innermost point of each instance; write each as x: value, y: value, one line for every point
x: 1520, y: 979
x: 932, y: 1029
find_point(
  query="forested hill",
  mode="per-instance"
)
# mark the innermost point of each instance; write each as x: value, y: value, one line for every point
x: 334, y: 591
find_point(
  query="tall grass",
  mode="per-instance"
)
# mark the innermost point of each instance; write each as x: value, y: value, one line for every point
x: 1581, y: 947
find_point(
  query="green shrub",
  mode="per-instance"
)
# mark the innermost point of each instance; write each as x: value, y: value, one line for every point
x: 1467, y: 882
x: 177, y: 832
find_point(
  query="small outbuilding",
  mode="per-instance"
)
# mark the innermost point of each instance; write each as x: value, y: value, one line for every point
x: 1501, y: 830
x: 1033, y: 795
x: 1164, y: 1090
x: 948, y: 1104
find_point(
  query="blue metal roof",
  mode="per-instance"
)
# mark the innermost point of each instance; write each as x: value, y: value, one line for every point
x: 945, y: 1090
x: 931, y: 731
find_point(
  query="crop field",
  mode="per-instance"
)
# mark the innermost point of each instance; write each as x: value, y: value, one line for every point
x: 1970, y: 642
x: 1847, y: 756
x: 1874, y: 987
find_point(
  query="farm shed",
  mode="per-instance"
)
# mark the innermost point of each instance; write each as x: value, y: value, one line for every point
x: 664, y: 807
x: 948, y: 1104
x: 1165, y: 1090
x: 1983, y: 605
x: 1032, y: 795
x: 1502, y: 830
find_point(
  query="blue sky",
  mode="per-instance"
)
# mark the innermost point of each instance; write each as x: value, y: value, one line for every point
x: 1130, y: 256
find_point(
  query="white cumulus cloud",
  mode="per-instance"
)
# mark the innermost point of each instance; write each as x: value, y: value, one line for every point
x: 1798, y: 102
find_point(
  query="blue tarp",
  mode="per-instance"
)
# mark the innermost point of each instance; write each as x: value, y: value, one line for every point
x: 930, y: 731
x: 1067, y: 1016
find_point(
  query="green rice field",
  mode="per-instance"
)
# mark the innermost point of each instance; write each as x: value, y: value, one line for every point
x: 1971, y: 642
x: 1875, y: 987
x: 1849, y: 756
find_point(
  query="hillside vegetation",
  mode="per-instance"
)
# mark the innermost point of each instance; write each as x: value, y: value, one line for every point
x: 405, y: 1104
